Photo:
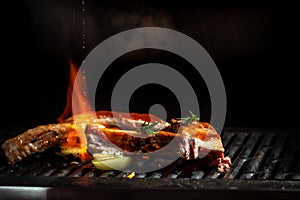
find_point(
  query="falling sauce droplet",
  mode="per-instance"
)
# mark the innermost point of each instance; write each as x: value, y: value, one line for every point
x: 84, y: 89
x: 83, y: 25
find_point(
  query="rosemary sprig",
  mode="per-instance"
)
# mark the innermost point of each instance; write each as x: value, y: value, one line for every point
x: 189, y: 119
x: 148, y: 128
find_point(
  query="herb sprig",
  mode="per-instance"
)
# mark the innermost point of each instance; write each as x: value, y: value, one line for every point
x: 189, y: 119
x: 148, y: 128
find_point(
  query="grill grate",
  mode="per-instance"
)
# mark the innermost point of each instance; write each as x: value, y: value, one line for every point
x: 265, y: 164
x: 261, y: 155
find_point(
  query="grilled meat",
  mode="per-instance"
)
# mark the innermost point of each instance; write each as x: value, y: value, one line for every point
x: 65, y: 135
x: 35, y: 140
x: 124, y: 121
x: 192, y: 142
x: 117, y: 133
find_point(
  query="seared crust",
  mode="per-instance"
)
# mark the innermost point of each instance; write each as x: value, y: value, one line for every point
x: 187, y: 145
x: 134, y: 116
x: 127, y: 121
x: 192, y: 142
x: 34, y: 141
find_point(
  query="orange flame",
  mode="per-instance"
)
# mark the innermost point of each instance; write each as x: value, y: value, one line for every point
x: 80, y: 100
x: 76, y: 96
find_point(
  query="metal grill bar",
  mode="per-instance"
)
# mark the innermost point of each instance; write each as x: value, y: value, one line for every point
x: 284, y: 170
x: 255, y: 155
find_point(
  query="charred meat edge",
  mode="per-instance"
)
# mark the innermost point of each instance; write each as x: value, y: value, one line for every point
x: 35, y: 140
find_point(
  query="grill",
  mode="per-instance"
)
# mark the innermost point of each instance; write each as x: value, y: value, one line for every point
x: 263, y: 161
x: 243, y: 39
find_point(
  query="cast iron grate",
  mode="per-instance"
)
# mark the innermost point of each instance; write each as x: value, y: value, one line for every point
x: 256, y: 155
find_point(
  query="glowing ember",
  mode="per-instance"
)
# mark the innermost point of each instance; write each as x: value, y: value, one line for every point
x: 131, y: 175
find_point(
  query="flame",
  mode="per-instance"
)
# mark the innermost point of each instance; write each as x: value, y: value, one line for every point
x: 79, y: 99
x: 76, y: 100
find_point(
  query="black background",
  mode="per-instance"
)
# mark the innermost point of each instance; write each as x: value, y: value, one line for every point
x: 254, y: 44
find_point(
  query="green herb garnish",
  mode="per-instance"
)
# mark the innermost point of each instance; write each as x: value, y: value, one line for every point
x: 148, y: 128
x: 189, y: 119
